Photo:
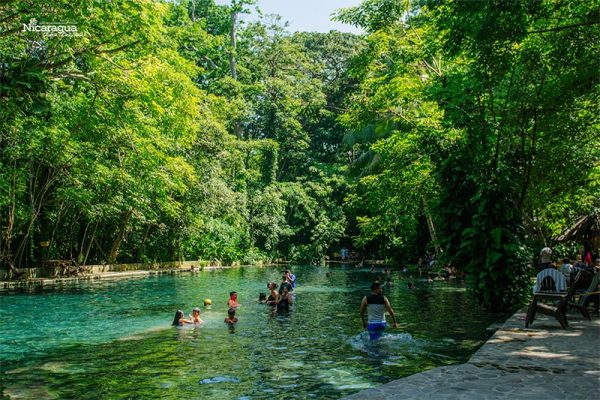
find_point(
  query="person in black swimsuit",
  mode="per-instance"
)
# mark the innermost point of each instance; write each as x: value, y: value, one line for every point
x: 285, y: 283
x: 284, y: 300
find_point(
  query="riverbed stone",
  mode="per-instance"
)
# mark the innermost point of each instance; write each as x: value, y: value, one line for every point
x: 543, y: 361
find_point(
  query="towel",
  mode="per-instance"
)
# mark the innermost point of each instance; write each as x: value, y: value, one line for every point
x: 559, y: 279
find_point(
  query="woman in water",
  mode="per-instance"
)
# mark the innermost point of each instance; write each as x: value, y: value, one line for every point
x: 272, y: 286
x: 179, y: 319
x: 284, y: 300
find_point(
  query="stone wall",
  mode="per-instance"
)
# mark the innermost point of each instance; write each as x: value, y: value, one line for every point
x: 55, y: 271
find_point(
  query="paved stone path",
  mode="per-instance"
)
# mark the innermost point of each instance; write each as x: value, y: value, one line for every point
x: 543, y: 362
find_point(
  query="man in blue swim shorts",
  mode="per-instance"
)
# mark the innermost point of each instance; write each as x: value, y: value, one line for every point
x: 375, y: 305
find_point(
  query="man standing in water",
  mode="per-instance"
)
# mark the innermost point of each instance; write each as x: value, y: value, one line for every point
x: 375, y: 305
x: 291, y: 278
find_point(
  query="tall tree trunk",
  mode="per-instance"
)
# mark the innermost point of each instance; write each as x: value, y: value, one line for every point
x: 37, y: 199
x: 6, y: 235
x: 237, y: 128
x: 93, y: 238
x: 114, y: 251
x: 232, y: 67
x: 431, y: 227
x: 193, y: 11
x: 80, y: 255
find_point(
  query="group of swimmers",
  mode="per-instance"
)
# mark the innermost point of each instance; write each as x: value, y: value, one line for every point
x: 372, y: 309
x: 194, y: 317
x: 281, y: 300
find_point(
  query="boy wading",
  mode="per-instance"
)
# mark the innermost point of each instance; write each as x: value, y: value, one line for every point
x: 375, y: 305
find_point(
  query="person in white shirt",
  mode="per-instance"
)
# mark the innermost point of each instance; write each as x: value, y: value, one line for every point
x: 545, y: 258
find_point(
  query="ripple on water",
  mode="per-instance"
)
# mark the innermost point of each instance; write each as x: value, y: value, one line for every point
x: 389, y: 343
x: 219, y: 379
x: 324, y: 289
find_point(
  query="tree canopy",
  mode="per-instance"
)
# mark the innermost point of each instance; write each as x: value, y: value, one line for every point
x: 176, y: 130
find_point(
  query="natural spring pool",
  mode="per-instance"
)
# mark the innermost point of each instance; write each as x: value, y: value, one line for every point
x: 113, y: 339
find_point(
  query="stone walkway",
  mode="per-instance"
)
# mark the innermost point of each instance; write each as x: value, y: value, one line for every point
x: 542, y: 362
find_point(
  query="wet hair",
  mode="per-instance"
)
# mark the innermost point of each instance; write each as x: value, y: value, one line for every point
x: 232, y: 293
x: 262, y: 297
x: 231, y: 312
x: 375, y: 286
x: 178, y: 316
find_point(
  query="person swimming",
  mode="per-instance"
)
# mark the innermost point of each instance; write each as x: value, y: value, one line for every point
x: 180, y: 320
x: 207, y: 304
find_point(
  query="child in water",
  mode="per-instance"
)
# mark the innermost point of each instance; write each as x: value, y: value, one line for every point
x: 195, y: 317
x: 232, y: 302
x: 231, y: 319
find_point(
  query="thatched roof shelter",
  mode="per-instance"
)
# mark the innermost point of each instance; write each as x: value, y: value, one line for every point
x: 585, y: 229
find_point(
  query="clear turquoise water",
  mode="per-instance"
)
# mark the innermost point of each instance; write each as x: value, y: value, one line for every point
x: 113, y: 339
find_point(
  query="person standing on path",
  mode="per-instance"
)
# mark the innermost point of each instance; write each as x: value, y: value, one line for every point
x: 374, y: 306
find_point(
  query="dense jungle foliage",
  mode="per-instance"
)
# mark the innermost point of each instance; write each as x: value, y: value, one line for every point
x: 178, y: 130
